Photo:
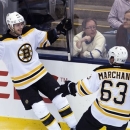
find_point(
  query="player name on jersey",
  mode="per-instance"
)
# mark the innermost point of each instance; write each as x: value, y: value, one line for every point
x: 114, y: 74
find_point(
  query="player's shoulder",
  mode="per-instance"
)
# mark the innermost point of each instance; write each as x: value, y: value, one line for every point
x: 103, y: 67
x: 111, y: 67
x: 27, y: 29
x: 2, y: 37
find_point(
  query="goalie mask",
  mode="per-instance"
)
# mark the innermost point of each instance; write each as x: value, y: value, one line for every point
x: 119, y: 53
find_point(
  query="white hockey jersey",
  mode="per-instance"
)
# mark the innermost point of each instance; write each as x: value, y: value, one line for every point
x: 112, y: 105
x: 20, y: 56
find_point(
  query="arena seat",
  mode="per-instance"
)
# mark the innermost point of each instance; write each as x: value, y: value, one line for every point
x: 110, y: 40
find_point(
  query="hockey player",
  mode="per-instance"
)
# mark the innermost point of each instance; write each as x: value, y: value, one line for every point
x: 111, y: 107
x: 18, y: 51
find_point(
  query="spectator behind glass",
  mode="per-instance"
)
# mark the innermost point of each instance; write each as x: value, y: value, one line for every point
x: 89, y: 43
x: 116, y: 15
x: 123, y: 33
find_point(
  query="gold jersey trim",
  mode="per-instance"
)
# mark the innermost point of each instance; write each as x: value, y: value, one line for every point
x: 27, y: 74
x: 110, y: 114
x: 113, y: 69
x: 29, y: 77
x: 82, y: 89
x: 114, y: 109
x: 28, y: 32
x: 44, y: 41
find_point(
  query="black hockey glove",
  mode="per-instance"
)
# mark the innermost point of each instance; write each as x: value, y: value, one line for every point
x: 68, y: 88
x: 63, y: 26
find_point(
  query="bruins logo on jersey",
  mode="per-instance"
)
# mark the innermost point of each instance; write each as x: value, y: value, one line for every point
x: 25, y: 52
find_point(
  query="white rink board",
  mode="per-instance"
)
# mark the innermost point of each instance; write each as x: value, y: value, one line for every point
x: 63, y: 70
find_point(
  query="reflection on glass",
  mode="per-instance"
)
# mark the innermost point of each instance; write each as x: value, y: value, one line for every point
x: 44, y: 15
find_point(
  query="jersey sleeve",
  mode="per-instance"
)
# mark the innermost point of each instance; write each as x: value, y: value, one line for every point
x: 41, y: 39
x: 88, y: 85
x: 1, y: 50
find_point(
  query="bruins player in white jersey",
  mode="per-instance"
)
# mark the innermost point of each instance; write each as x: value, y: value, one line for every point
x: 111, y: 107
x: 18, y: 51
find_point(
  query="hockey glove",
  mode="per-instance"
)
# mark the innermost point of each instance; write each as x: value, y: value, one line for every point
x: 68, y: 88
x: 63, y: 26
x: 68, y: 24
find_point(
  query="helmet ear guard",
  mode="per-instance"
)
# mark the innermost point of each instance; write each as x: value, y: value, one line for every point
x: 119, y: 53
x: 14, y: 18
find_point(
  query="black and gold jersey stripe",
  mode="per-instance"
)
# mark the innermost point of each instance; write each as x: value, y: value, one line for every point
x: 29, y: 77
x: 122, y: 68
x: 43, y: 44
x: 82, y: 89
x: 112, y: 112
